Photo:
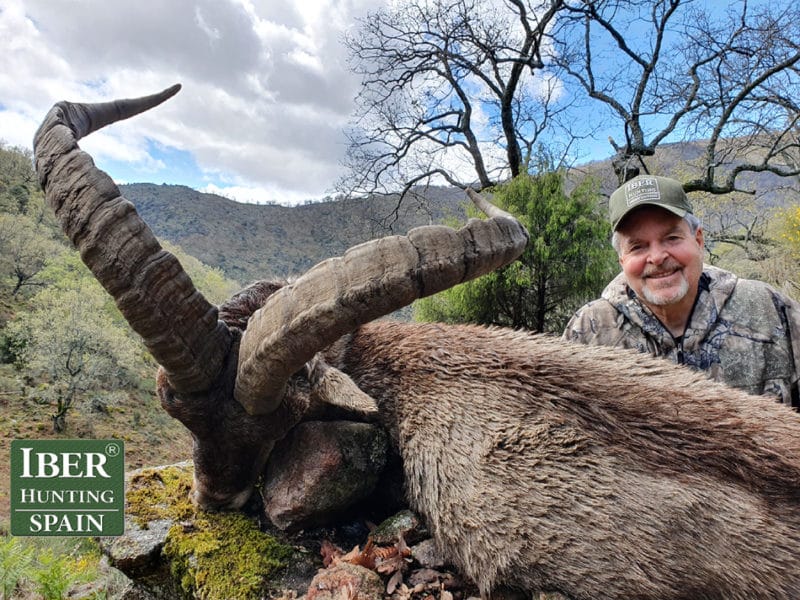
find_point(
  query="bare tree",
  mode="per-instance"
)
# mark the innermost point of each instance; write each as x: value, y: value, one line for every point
x: 464, y: 89
x: 737, y: 220
x: 454, y: 88
x: 672, y: 70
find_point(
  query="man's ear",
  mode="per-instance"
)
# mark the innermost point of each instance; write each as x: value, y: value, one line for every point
x: 698, y: 236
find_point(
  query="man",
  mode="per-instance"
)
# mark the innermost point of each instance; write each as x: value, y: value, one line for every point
x: 666, y: 302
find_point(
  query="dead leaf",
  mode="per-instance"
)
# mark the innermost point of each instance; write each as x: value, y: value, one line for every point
x: 330, y: 553
x: 402, y: 593
x: 392, y: 558
x: 363, y: 558
x: 391, y: 564
x: 402, y: 547
x: 393, y: 582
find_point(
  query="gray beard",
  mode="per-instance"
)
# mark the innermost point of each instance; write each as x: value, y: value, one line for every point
x: 660, y: 300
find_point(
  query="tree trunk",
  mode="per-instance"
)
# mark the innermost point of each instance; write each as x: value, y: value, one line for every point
x: 59, y: 423
x: 60, y: 418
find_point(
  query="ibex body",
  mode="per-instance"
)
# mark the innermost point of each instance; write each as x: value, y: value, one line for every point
x: 538, y: 464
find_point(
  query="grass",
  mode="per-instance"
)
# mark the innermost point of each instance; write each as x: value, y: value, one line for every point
x: 55, y: 568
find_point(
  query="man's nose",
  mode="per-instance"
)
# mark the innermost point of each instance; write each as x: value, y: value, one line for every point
x: 657, y: 254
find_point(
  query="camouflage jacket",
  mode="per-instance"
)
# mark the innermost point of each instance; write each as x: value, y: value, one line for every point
x: 742, y: 332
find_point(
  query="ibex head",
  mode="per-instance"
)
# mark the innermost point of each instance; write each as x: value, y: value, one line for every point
x: 240, y: 385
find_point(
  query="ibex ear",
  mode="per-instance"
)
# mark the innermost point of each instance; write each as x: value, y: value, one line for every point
x: 332, y: 387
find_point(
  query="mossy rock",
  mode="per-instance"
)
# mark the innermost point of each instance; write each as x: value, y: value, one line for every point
x: 225, y: 556
x: 403, y: 524
x: 199, y: 554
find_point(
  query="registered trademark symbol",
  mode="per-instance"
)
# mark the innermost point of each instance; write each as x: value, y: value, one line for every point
x: 112, y: 449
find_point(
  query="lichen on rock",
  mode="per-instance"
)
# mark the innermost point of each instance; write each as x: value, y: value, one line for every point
x: 160, y: 493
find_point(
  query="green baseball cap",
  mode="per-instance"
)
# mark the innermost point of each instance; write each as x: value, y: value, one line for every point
x: 647, y: 189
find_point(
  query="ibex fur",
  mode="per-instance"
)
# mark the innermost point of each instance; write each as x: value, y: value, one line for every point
x: 541, y: 465
x: 537, y: 464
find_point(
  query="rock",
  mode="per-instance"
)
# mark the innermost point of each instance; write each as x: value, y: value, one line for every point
x: 172, y: 550
x: 320, y: 470
x: 344, y: 580
x: 138, y: 553
x: 405, y: 524
x: 425, y: 554
x: 135, y: 592
x: 138, y: 550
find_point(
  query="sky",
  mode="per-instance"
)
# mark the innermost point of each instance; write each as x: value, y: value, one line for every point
x: 266, y: 88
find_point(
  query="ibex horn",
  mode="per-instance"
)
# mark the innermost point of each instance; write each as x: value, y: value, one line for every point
x: 155, y: 295
x: 369, y: 281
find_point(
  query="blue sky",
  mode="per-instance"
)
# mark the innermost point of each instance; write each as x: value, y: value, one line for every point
x: 167, y: 165
x: 266, y: 92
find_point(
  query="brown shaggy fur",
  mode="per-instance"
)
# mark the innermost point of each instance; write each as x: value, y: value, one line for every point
x: 540, y: 464
x: 238, y: 309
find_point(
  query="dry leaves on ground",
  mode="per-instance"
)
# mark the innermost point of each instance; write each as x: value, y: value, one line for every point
x: 405, y: 579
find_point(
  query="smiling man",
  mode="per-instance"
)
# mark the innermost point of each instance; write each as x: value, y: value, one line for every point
x: 666, y: 302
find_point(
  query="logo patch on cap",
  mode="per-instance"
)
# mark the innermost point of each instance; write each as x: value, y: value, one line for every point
x: 644, y: 189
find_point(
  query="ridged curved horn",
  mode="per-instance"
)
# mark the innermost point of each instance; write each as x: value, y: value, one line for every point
x: 151, y: 289
x: 369, y: 281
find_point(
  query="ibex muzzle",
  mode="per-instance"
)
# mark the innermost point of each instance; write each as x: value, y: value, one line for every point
x: 538, y: 464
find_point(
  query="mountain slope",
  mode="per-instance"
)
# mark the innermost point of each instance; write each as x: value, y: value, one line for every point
x: 249, y: 241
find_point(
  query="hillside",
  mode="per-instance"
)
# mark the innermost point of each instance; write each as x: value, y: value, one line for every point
x: 249, y: 241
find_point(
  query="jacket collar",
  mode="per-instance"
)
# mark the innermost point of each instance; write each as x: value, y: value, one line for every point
x: 715, y: 288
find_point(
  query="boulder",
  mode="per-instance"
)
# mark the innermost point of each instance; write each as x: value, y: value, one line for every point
x: 344, y: 580
x: 320, y: 470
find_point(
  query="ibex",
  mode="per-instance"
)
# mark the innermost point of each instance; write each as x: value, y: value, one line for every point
x: 537, y: 464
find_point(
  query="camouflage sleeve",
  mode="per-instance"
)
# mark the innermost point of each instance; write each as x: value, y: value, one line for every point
x: 599, y: 323
x: 792, y: 323
x: 576, y: 326
x: 588, y: 324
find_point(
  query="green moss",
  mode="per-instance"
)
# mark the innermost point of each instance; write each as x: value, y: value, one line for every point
x: 155, y: 494
x: 212, y: 555
x: 224, y: 556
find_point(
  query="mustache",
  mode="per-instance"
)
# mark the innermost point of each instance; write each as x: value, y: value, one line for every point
x: 667, y: 267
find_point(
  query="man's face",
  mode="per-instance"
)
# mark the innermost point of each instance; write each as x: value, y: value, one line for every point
x: 660, y: 256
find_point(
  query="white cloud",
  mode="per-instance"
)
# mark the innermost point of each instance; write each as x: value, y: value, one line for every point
x: 256, y: 195
x: 266, y: 91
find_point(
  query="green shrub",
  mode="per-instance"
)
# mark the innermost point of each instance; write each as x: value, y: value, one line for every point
x: 56, y: 575
x: 16, y: 560
x: 62, y: 564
